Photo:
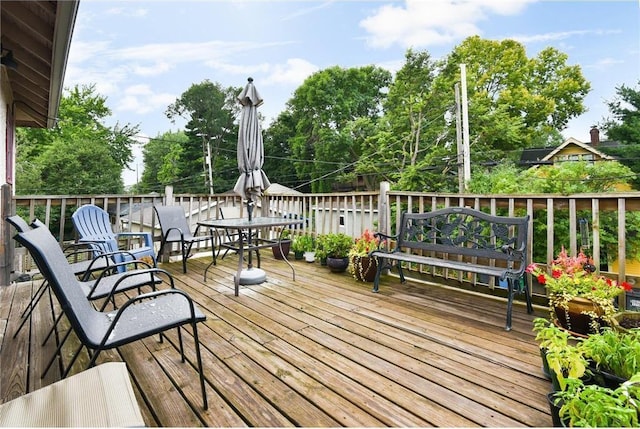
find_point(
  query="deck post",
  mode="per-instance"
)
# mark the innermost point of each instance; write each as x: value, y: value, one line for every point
x: 384, y: 213
x: 6, y: 243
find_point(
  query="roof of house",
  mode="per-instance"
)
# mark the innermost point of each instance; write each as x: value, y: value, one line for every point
x: 544, y: 155
x: 38, y: 34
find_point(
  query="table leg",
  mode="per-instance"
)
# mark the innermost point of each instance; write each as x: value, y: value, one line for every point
x: 236, y: 279
x: 284, y: 257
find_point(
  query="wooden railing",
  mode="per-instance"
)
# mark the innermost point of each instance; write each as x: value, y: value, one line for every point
x: 605, y: 226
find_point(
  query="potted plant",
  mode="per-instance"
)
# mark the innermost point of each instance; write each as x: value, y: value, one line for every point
x: 283, y: 246
x: 596, y: 406
x: 361, y: 266
x: 337, y: 246
x: 579, y: 299
x: 321, y: 251
x: 561, y: 352
x: 548, y: 337
x: 301, y: 244
x: 624, y: 321
x: 615, y: 355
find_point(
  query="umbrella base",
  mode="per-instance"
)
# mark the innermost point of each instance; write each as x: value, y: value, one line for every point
x: 252, y: 276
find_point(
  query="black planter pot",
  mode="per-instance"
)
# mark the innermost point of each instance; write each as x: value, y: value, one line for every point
x: 338, y: 265
x: 555, y: 411
x: 545, y: 365
x: 605, y: 379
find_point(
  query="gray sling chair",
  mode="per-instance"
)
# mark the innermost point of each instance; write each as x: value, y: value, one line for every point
x: 84, y: 267
x: 175, y: 229
x: 139, y: 317
x: 109, y: 280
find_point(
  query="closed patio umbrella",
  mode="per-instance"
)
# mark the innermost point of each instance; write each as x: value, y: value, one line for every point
x: 252, y: 181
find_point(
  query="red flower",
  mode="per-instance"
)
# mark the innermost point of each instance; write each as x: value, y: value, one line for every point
x: 556, y: 274
x: 626, y: 286
x: 542, y: 279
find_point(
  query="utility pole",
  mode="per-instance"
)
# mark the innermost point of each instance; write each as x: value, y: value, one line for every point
x: 206, y: 148
x: 209, y: 165
x: 460, y: 157
x: 466, y: 153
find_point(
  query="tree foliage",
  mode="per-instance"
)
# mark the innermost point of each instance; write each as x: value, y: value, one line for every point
x: 624, y: 126
x: 567, y: 178
x: 80, y: 155
x: 514, y: 102
x: 211, y: 112
x: 322, y: 109
x: 160, y: 156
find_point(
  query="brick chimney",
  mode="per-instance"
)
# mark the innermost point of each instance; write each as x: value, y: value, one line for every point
x: 595, y: 135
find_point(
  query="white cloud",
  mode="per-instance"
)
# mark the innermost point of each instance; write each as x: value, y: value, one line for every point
x: 560, y: 35
x: 129, y: 12
x: 293, y: 72
x: 141, y: 99
x: 158, y: 68
x: 430, y: 23
x: 604, y: 63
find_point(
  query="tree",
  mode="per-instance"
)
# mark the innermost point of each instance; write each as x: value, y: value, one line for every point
x: 409, y: 143
x: 80, y: 155
x: 161, y: 157
x: 515, y: 102
x: 321, y: 108
x: 211, y: 113
x: 624, y: 126
x: 277, y: 151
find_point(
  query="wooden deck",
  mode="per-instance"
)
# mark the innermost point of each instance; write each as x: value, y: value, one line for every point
x: 321, y: 351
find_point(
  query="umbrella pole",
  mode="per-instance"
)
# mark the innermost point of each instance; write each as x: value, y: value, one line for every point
x: 250, y: 275
x: 250, y: 215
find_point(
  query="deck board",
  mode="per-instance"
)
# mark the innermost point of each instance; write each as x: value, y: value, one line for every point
x: 322, y: 351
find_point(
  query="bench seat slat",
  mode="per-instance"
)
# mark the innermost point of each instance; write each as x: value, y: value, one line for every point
x: 447, y: 263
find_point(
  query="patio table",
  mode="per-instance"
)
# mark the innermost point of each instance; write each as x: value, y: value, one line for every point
x: 244, y: 224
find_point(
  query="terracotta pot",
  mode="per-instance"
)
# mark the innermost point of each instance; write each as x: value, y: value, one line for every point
x: 625, y: 320
x: 286, y: 247
x: 574, y: 320
x: 364, y: 268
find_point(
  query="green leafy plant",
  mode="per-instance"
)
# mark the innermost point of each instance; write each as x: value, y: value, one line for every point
x: 563, y: 356
x: 285, y: 234
x: 321, y: 251
x: 614, y: 352
x: 596, y: 406
x: 303, y: 243
x: 337, y: 245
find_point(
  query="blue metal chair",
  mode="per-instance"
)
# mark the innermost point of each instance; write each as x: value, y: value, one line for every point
x: 94, y: 227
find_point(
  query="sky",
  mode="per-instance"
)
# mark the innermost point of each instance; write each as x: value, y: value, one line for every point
x: 142, y: 55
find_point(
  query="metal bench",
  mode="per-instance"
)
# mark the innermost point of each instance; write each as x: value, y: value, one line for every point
x: 462, y: 239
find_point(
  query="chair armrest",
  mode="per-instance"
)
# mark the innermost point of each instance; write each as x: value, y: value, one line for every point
x: 150, y: 271
x: 146, y: 236
x: 109, y: 262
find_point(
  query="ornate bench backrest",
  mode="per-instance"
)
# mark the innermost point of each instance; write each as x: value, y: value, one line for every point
x: 468, y: 232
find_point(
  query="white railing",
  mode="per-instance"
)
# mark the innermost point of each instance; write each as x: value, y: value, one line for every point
x: 592, y: 221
